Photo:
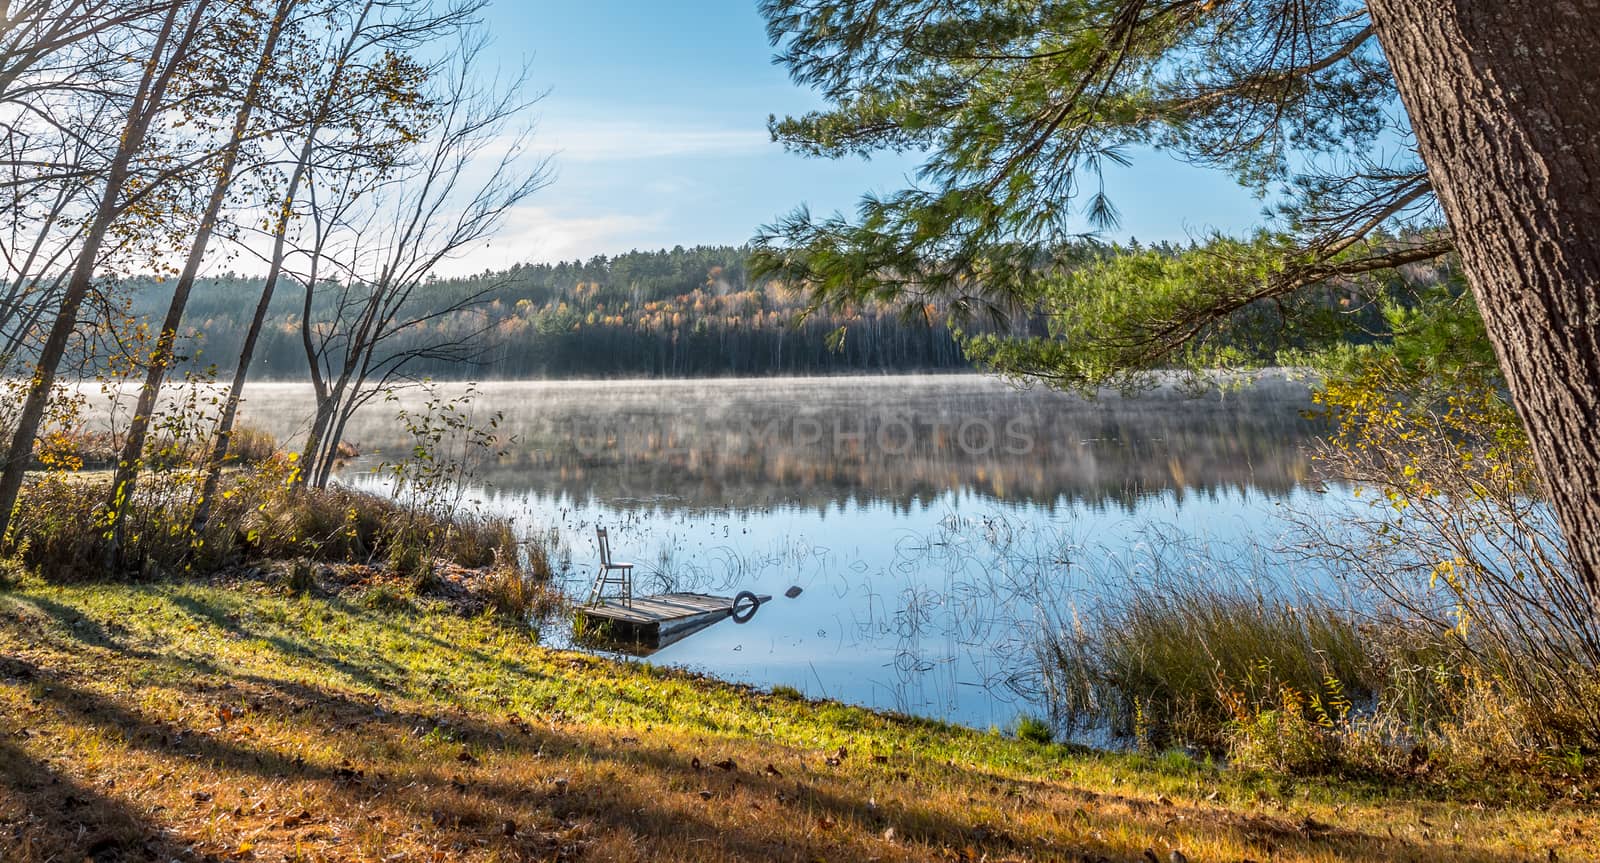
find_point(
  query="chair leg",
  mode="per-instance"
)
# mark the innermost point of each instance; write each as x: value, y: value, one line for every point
x: 623, y: 579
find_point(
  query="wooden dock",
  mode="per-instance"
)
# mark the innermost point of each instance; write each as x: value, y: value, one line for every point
x: 656, y: 621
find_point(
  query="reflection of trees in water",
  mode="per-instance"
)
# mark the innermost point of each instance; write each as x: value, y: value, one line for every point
x: 902, y: 441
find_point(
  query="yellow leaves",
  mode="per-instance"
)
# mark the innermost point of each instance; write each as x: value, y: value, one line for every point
x: 58, y: 451
x: 1444, y: 568
x: 1452, y: 572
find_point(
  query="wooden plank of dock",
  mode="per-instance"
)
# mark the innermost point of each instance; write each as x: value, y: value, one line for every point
x: 655, y: 619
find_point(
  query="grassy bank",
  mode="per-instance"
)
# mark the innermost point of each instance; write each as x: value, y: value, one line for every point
x: 235, y: 721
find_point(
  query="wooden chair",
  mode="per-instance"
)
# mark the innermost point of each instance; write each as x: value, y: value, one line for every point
x: 622, y: 579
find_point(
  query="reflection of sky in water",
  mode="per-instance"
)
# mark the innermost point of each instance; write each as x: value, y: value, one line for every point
x: 934, y: 612
x: 928, y: 567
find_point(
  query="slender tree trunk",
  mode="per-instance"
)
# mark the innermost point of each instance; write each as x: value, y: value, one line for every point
x: 308, y: 148
x: 126, y: 477
x: 331, y: 451
x: 230, y: 406
x: 321, y: 447
x: 324, y: 397
x: 141, y: 111
x: 1505, y: 100
x: 311, y: 457
x: 327, y: 394
x: 344, y: 399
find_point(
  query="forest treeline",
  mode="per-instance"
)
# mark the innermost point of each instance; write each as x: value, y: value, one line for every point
x: 681, y: 312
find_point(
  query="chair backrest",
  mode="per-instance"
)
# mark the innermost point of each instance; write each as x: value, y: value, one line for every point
x: 605, y: 546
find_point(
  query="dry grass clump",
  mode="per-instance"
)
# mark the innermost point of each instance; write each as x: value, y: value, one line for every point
x: 79, y: 448
x: 1470, y: 643
x: 476, y: 541
x: 322, y: 524
x: 76, y: 449
x: 519, y: 583
x: 1167, y: 663
x: 248, y: 444
x: 520, y: 595
x: 53, y: 529
x: 59, y: 531
x: 262, y: 518
x: 1311, y: 686
x: 341, y: 524
x: 1487, y: 630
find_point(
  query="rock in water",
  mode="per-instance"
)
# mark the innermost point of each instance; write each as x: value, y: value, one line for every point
x: 792, y: 592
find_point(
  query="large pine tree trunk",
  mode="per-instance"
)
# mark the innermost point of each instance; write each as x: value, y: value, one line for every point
x: 1505, y: 100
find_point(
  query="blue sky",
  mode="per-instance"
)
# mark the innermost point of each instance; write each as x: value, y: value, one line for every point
x: 657, y: 118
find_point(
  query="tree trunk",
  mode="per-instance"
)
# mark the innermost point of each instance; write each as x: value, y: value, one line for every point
x: 125, y: 479
x: 331, y: 448
x: 1505, y: 101
x: 147, y: 100
x: 230, y: 408
x: 311, y: 455
x: 247, y: 352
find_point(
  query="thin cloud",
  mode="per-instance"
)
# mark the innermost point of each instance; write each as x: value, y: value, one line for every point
x: 540, y: 234
x: 624, y: 140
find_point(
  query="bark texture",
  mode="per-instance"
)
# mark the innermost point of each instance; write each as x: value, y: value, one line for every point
x: 1505, y: 100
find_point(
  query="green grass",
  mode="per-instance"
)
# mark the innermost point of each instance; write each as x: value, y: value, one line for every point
x: 243, y: 722
x: 1034, y: 730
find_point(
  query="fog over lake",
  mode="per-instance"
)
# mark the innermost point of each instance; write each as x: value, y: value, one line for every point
x: 935, y: 524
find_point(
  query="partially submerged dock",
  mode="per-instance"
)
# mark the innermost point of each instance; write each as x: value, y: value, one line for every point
x: 659, y: 620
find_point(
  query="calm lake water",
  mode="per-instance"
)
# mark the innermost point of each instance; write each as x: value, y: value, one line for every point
x: 936, y: 525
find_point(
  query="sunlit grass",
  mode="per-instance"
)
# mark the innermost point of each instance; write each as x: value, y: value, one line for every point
x: 244, y: 723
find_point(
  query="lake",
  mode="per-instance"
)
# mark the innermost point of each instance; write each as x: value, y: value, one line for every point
x: 936, y: 525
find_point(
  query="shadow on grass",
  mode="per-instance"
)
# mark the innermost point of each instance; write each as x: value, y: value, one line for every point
x: 48, y: 814
x: 464, y: 773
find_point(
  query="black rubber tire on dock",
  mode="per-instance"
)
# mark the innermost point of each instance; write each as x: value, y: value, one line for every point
x: 740, y: 614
